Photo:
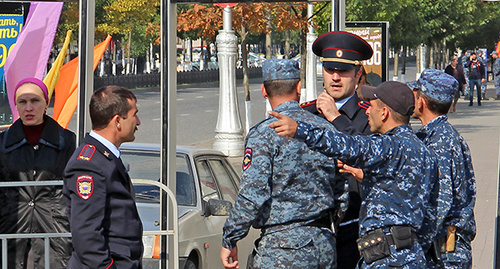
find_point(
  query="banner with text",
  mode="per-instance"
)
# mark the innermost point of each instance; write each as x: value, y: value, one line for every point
x: 10, y: 26
x: 376, y: 34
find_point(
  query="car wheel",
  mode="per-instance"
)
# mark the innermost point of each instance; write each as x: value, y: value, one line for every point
x: 190, y: 265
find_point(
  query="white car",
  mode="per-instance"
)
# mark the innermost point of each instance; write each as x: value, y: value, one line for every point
x: 204, y: 176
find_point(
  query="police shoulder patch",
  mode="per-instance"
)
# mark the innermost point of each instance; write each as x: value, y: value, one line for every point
x: 309, y: 103
x: 85, y: 186
x: 86, y: 153
x: 247, y: 158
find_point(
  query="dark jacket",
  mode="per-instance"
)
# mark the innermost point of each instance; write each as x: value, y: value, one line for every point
x: 353, y: 120
x: 35, y: 209
x: 105, y: 223
x: 458, y: 75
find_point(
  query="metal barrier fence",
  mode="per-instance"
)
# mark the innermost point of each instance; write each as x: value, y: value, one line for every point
x: 153, y: 79
x: 47, y: 236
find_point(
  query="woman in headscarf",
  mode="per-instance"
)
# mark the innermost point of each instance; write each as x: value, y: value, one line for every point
x: 34, y: 148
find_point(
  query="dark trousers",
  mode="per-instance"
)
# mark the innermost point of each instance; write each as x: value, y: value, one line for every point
x: 472, y: 83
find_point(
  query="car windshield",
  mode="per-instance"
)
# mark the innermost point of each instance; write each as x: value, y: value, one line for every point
x: 146, y: 165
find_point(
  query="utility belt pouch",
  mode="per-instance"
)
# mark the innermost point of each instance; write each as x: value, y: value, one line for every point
x: 401, y: 236
x: 373, y: 246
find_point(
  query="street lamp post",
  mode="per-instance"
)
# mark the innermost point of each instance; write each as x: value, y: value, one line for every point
x: 310, y: 91
x: 229, y: 130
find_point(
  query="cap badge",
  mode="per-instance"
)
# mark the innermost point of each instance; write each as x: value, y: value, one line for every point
x: 339, y: 53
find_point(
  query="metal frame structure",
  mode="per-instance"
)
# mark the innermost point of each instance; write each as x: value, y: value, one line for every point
x: 46, y: 236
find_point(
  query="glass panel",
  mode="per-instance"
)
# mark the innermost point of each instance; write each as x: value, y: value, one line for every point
x: 208, y: 188
x: 146, y: 165
x: 226, y: 184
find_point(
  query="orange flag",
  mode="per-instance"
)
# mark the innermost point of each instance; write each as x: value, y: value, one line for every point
x: 498, y: 48
x: 66, y: 93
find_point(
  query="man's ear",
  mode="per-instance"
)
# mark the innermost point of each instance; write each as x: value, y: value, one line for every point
x: 116, y: 121
x: 264, y: 92
x: 298, y: 87
x: 385, y: 111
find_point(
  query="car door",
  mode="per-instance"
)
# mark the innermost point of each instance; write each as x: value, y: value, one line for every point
x: 216, y: 182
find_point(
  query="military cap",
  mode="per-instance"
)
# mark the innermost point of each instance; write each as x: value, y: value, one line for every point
x: 436, y: 84
x: 494, y: 52
x: 341, y: 50
x: 394, y: 94
x: 276, y: 69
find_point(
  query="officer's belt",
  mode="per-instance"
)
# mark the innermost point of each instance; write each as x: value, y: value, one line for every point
x: 322, y: 222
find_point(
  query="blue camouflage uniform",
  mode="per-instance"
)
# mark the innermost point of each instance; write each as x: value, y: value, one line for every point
x: 286, y: 191
x: 496, y: 72
x: 457, y: 188
x: 398, y: 174
x: 455, y: 193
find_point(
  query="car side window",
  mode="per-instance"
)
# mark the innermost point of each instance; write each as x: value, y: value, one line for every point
x: 185, y: 190
x: 226, y: 183
x: 208, y: 187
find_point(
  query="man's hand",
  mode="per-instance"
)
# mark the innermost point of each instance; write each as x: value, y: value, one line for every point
x: 284, y: 126
x: 225, y: 254
x: 356, y: 172
x: 326, y: 106
x: 483, y: 80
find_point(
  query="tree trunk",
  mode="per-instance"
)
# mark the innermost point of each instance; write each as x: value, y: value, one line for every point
x: 128, y: 51
x: 303, y: 56
x: 287, y: 44
x: 396, y: 65
x: 269, y: 41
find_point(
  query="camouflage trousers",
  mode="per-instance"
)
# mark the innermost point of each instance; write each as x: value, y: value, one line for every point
x: 301, y: 247
x: 410, y: 258
x: 461, y: 258
x: 497, y: 85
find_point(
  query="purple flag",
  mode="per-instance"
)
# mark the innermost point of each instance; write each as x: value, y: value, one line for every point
x: 30, y: 55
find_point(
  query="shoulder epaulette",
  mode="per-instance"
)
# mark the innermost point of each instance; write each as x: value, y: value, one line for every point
x: 86, y: 153
x: 364, y: 104
x: 308, y: 103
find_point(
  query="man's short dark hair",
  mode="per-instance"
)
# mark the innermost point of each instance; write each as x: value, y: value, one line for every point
x: 107, y: 102
x: 435, y: 106
x: 281, y: 87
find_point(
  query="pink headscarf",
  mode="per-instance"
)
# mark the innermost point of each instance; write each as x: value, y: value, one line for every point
x: 37, y: 82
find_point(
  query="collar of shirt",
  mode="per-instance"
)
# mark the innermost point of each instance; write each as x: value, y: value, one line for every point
x: 106, y: 143
x: 342, y: 102
x: 287, y: 106
x: 426, y: 130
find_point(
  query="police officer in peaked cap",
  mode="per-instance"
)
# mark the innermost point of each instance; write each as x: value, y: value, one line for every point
x: 342, y: 54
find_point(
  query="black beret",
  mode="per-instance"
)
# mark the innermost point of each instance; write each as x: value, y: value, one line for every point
x: 341, y: 50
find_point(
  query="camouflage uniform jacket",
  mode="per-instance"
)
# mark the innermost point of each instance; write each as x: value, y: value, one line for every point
x: 399, y: 172
x: 496, y: 68
x: 457, y: 185
x: 284, y: 183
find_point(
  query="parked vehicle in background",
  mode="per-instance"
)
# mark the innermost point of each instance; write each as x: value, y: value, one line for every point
x: 254, y: 60
x: 203, y: 177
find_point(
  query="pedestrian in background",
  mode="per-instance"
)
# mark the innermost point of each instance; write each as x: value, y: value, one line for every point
x: 34, y: 148
x: 456, y: 228
x: 287, y: 190
x: 342, y: 54
x: 105, y: 224
x: 457, y: 72
x: 480, y: 57
x: 496, y: 73
x: 476, y: 77
x: 399, y: 173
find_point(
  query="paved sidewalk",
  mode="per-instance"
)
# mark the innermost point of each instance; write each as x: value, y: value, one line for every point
x: 480, y: 126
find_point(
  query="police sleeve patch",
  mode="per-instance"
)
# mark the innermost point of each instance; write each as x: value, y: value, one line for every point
x: 85, y: 186
x: 86, y: 153
x: 247, y: 158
